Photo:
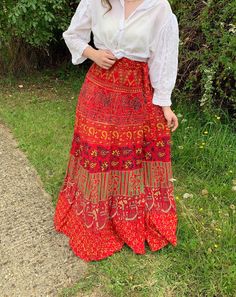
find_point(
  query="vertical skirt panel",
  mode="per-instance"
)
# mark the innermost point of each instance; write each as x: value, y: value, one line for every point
x: 118, y: 184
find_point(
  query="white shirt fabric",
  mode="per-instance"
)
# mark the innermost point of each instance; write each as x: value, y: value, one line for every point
x: 149, y: 34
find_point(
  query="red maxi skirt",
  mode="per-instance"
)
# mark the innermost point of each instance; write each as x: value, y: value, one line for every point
x: 118, y: 187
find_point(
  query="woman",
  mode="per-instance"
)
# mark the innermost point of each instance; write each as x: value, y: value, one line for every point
x: 118, y: 185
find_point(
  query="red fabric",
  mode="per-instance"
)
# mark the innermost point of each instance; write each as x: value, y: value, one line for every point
x: 117, y: 188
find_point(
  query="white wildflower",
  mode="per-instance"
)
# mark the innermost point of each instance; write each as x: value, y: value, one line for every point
x: 187, y: 195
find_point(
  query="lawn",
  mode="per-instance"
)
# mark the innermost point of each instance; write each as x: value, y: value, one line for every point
x: 40, y: 111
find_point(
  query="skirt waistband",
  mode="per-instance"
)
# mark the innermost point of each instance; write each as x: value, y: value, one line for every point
x: 131, y: 63
x: 124, y: 75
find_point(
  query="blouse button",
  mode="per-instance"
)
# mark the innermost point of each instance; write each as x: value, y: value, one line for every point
x: 121, y: 26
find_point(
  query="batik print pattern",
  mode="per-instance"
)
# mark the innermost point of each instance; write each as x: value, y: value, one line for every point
x: 118, y: 184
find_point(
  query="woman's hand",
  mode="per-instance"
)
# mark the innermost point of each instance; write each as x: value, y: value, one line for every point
x: 103, y: 58
x: 172, y: 120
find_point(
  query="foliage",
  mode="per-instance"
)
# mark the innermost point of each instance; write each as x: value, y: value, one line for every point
x: 30, y: 35
x: 34, y: 21
x: 31, y: 26
x: 207, y: 67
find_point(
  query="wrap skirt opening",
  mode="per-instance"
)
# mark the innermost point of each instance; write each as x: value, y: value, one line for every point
x: 118, y: 186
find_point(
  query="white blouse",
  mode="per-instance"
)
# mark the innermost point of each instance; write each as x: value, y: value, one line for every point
x: 149, y: 34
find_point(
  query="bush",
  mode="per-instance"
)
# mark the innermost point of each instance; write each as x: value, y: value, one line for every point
x: 207, y: 68
x: 29, y: 29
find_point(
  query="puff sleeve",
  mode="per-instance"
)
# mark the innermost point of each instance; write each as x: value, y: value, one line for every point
x: 77, y: 36
x: 163, y: 62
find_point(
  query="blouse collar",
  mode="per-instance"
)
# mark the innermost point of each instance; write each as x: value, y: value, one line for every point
x: 144, y: 5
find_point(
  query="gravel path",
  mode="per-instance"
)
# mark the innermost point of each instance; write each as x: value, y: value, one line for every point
x: 35, y: 260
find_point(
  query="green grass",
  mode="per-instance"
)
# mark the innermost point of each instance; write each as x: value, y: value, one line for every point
x: 41, y: 116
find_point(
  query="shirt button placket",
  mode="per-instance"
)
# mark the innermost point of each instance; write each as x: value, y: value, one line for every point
x: 121, y: 29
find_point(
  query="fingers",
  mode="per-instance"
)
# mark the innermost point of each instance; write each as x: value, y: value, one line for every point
x: 107, y: 63
x: 169, y: 122
x: 175, y: 124
x: 105, y: 58
x: 110, y: 55
x: 172, y: 122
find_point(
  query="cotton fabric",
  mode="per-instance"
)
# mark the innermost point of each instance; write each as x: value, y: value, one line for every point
x: 149, y: 34
x: 118, y: 186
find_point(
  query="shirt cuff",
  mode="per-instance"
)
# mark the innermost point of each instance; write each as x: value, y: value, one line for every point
x: 77, y: 58
x: 161, y: 99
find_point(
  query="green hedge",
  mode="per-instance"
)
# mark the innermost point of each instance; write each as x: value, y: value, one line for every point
x: 207, y: 69
x: 30, y: 29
